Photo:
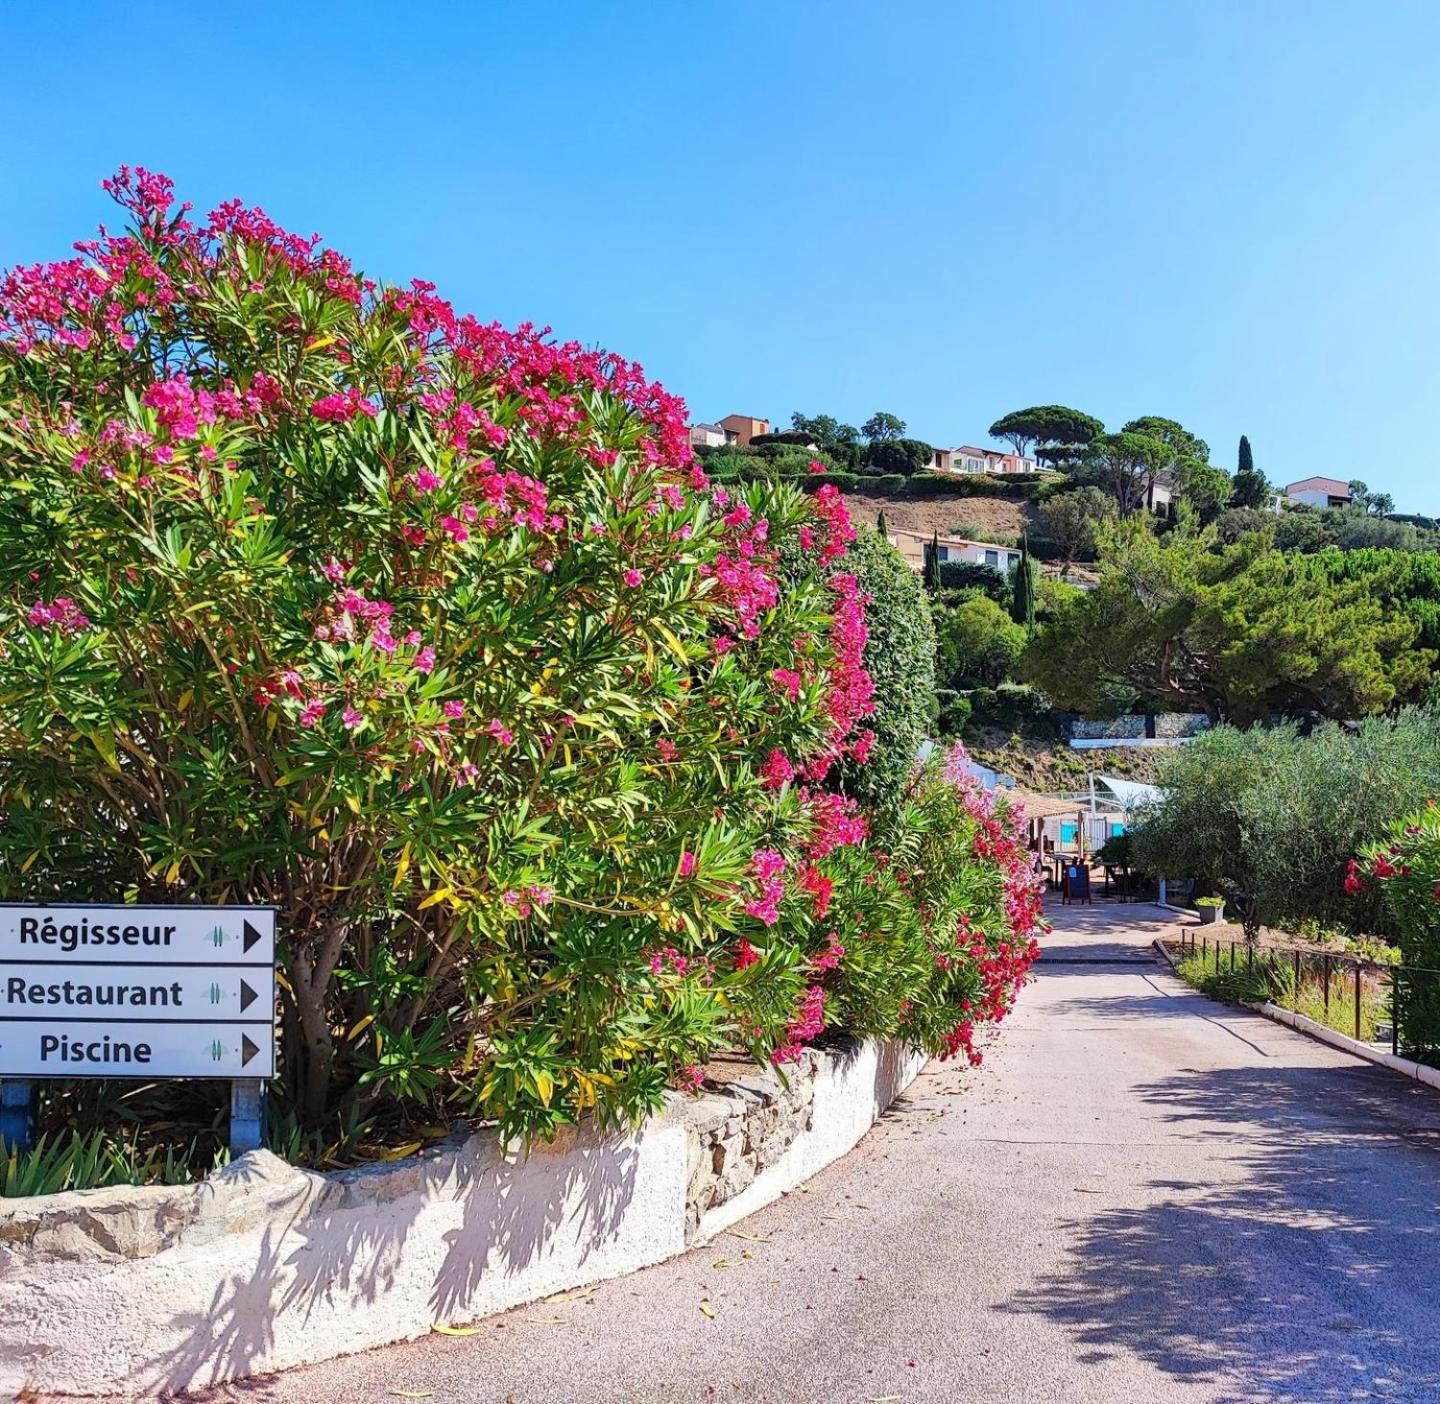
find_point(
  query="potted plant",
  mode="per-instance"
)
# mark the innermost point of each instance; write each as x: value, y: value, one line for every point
x: 1211, y: 909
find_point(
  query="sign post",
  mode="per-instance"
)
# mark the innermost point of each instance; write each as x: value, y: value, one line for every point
x: 138, y: 992
x: 17, y: 1098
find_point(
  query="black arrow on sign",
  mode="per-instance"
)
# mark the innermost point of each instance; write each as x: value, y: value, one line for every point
x: 248, y: 1049
x: 251, y: 936
x: 247, y: 996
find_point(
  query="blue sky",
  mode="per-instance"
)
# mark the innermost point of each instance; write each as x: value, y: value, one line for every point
x: 1222, y: 212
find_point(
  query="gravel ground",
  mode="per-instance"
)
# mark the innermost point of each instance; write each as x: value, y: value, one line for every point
x: 1142, y: 1196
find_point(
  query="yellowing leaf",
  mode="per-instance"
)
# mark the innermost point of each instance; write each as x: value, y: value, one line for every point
x: 437, y: 896
x: 675, y: 646
x: 455, y: 1330
x: 544, y: 1085
x: 400, y: 1152
x: 186, y: 698
x: 573, y: 1296
x: 360, y: 1026
x: 403, y: 866
x: 708, y: 1310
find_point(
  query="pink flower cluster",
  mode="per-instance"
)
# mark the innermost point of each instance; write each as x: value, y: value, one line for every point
x: 61, y: 613
x: 767, y: 866
x: 523, y: 902
x: 744, y: 572
x: 832, y: 955
x: 835, y: 822
x: 807, y: 1025
x: 342, y: 406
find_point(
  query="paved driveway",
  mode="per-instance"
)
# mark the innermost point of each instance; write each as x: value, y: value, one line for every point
x: 1142, y: 1196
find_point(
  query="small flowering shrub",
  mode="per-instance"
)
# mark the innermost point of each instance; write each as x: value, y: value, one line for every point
x: 433, y: 635
x: 1404, y: 868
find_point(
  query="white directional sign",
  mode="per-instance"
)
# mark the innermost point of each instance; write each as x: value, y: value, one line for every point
x: 137, y: 991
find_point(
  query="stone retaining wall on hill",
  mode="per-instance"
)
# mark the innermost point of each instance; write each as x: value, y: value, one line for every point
x: 264, y: 1266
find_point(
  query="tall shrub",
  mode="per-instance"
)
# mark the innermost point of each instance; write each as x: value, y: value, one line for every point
x: 427, y: 632
x: 433, y: 635
x: 1270, y: 817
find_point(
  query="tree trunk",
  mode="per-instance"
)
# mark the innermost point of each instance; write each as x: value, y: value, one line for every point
x: 311, y: 970
x: 1250, y: 920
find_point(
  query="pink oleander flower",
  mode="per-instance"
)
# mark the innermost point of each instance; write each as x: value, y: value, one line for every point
x: 424, y: 480
x: 342, y: 407
x: 687, y: 864
x: 500, y: 731
x: 633, y: 579
x: 454, y: 710
x: 788, y: 680
x: 352, y: 717
x: 767, y: 866
x: 312, y: 712
x: 776, y: 770
x: 424, y: 661
x: 808, y: 1024
x: 62, y: 613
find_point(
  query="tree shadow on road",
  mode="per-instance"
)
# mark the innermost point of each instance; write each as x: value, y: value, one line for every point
x: 1300, y: 1267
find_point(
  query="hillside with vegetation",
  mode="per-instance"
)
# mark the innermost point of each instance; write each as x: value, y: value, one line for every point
x: 1203, y: 589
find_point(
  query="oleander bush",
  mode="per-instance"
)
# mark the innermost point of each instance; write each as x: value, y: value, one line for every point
x: 435, y: 635
x: 1402, y: 869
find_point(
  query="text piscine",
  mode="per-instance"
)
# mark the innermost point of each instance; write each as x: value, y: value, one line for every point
x: 70, y: 936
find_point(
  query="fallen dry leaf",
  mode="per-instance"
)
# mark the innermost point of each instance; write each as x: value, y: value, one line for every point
x: 708, y: 1310
x: 575, y: 1295
x: 455, y: 1330
x: 750, y: 1237
x: 413, y: 1393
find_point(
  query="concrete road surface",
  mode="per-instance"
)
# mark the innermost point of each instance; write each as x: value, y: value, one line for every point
x: 1142, y: 1196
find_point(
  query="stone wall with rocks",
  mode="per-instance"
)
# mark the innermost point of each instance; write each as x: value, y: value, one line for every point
x: 264, y: 1266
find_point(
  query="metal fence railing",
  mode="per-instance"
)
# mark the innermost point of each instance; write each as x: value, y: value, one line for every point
x: 1408, y: 995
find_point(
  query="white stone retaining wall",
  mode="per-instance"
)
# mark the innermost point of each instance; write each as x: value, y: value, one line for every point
x: 264, y: 1266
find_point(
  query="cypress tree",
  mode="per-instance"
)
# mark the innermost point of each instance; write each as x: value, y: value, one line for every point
x: 1022, y: 602
x: 1246, y: 463
x: 932, y: 563
x: 880, y: 525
